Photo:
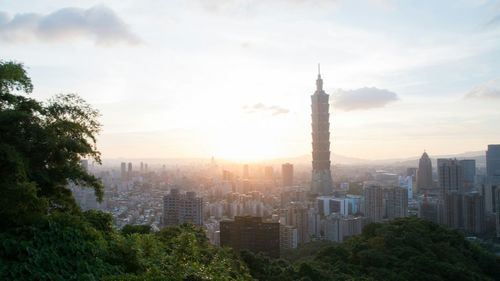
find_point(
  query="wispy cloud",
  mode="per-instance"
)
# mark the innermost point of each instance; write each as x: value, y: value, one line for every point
x: 260, y: 107
x: 99, y: 23
x: 494, y: 22
x: 488, y: 90
x: 363, y: 98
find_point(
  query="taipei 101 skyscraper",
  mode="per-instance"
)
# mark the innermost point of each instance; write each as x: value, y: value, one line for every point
x: 321, y: 182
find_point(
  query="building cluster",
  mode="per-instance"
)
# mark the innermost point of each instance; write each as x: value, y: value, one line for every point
x: 258, y: 208
x: 460, y: 198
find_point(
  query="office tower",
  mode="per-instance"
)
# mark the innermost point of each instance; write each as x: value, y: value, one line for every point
x: 451, y: 189
x: 469, y: 168
x: 287, y: 174
x: 424, y: 173
x: 123, y: 170
x: 492, y: 178
x: 337, y: 228
x: 142, y: 167
x: 450, y: 209
x: 129, y: 168
x: 245, y: 171
x: 407, y: 183
x: 373, y: 205
x: 473, y: 213
x: 450, y: 176
x: 329, y: 204
x: 182, y: 208
x: 428, y: 209
x: 493, y: 164
x: 288, y: 237
x: 411, y: 172
x: 395, y: 202
x: 321, y: 182
x: 251, y: 233
x: 269, y: 173
x: 297, y: 216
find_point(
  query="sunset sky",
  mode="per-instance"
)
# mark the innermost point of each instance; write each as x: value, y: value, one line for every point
x: 233, y: 78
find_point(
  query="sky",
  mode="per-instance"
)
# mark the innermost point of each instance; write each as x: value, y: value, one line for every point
x: 233, y: 78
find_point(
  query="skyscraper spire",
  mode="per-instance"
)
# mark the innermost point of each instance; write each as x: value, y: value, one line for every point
x: 319, y: 81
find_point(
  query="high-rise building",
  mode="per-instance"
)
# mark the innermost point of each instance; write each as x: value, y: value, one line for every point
x: 395, y: 202
x: 469, y: 168
x: 287, y: 174
x: 407, y: 183
x: 130, y: 168
x: 411, y: 172
x: 123, y: 170
x: 451, y: 190
x: 321, y: 182
x: 331, y: 204
x: 297, y: 216
x: 182, y: 208
x: 473, y: 213
x: 492, y: 178
x: 493, y: 164
x: 428, y: 209
x: 450, y: 176
x: 424, y: 173
x: 251, y: 233
x: 288, y: 237
x: 374, y: 204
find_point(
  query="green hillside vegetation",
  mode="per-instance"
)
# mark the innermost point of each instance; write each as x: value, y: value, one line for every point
x: 45, y: 236
x: 404, y: 249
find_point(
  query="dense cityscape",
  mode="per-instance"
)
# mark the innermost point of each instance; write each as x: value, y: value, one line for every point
x: 268, y: 208
x: 249, y: 140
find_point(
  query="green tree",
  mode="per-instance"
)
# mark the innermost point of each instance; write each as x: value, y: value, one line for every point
x: 41, y: 146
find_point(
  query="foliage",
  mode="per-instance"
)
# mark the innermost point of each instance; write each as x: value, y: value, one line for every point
x: 139, y: 229
x: 41, y: 146
x: 404, y: 249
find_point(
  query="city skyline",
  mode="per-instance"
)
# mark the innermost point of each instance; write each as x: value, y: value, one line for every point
x: 401, y: 92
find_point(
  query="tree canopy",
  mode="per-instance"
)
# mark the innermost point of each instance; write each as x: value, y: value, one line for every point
x: 41, y: 146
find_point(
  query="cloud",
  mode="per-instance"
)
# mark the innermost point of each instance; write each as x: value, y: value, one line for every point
x: 488, y: 90
x: 99, y: 23
x: 363, y: 98
x: 260, y: 107
x: 495, y: 21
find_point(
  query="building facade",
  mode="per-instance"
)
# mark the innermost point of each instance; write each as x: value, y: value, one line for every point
x: 251, y: 233
x: 424, y: 173
x: 181, y: 208
x: 321, y: 182
x: 287, y: 174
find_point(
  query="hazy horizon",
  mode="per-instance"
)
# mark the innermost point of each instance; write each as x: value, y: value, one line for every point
x: 232, y: 79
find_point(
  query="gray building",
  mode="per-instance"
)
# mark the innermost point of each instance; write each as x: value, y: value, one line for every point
x: 450, y: 176
x: 395, y: 202
x: 181, y: 208
x: 287, y: 174
x: 469, y: 169
x: 473, y: 213
x: 492, y: 178
x: 374, y: 203
x: 424, y: 173
x: 321, y: 182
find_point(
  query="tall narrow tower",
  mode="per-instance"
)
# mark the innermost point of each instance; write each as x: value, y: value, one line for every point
x: 321, y: 182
